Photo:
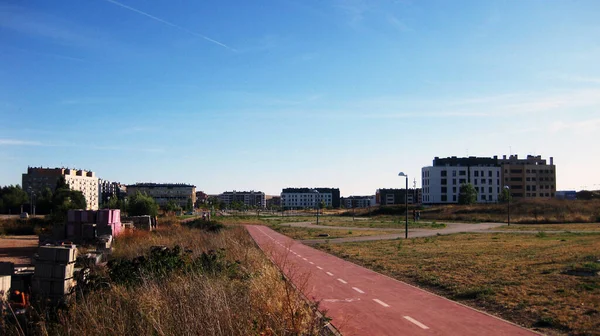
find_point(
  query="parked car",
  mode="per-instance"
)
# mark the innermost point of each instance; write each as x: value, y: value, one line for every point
x: 24, y: 215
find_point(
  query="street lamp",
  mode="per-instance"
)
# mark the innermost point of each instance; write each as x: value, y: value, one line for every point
x: 406, y: 203
x: 508, y: 199
x: 315, y: 191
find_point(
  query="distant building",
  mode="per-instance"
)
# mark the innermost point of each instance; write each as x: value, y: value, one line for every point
x: 249, y: 198
x: 108, y: 189
x: 441, y: 182
x: 162, y: 193
x: 37, y: 179
x: 201, y: 197
x: 569, y: 195
x: 531, y: 177
x: 357, y: 201
x: 301, y: 198
x: 273, y: 201
x: 397, y: 196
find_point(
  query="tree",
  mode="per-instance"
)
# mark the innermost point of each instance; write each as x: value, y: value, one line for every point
x: 190, y: 205
x: 467, y: 194
x: 171, y: 206
x: 504, y: 196
x: 12, y: 198
x: 142, y: 204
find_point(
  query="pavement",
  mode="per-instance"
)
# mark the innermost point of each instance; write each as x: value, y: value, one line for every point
x: 364, y: 302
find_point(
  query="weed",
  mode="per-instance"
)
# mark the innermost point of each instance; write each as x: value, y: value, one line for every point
x: 541, y: 234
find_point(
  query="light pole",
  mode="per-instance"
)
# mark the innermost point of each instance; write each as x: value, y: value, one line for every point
x: 315, y: 191
x: 508, y: 199
x: 406, y: 203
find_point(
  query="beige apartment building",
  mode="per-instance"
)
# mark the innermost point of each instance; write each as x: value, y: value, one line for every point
x: 531, y: 177
x: 162, y: 193
x: 37, y: 179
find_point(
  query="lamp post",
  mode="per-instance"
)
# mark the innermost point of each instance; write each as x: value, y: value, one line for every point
x: 508, y: 199
x: 406, y: 203
x: 315, y: 191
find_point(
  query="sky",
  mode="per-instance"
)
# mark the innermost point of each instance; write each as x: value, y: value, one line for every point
x: 268, y: 94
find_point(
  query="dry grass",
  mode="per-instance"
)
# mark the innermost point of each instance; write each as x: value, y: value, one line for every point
x: 525, y: 211
x: 551, y: 227
x: 312, y: 233
x: 255, y: 302
x: 519, y: 277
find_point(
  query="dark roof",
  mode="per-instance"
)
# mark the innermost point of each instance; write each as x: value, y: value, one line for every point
x: 167, y: 185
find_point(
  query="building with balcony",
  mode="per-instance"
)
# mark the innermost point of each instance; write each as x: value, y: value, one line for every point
x: 397, y: 196
x: 304, y: 198
x: 531, y: 177
x: 248, y: 198
x: 441, y: 182
x: 162, y: 193
x: 38, y: 178
x: 358, y: 201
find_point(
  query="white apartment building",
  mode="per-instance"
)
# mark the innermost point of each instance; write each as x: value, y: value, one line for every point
x: 37, y: 179
x: 301, y: 198
x: 441, y: 182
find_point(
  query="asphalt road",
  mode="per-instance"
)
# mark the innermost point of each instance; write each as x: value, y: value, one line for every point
x: 363, y: 302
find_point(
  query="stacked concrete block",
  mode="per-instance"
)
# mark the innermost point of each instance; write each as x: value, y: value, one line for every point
x: 53, y: 277
x: 5, y: 283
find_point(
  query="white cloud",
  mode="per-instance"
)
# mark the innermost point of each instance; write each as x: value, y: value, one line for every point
x: 18, y: 142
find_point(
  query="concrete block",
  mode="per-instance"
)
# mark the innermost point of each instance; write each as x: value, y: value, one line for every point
x: 52, y: 287
x: 5, y: 284
x: 54, y: 271
x: 6, y: 268
x: 88, y: 231
x: 60, y: 254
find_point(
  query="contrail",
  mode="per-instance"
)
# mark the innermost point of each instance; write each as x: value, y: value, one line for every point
x: 170, y: 24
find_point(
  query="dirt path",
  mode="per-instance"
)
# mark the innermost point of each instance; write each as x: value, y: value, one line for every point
x: 18, y: 249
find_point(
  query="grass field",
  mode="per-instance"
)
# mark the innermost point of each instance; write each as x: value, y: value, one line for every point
x: 519, y: 277
x: 551, y: 227
x: 311, y: 233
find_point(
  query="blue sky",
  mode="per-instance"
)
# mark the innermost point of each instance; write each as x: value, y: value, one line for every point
x: 268, y: 94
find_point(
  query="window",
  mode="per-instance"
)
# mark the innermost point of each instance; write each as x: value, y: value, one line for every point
x: 444, y: 198
x: 489, y: 173
x: 462, y: 173
x: 444, y: 190
x: 454, y: 190
x: 444, y: 181
x: 462, y: 181
x: 444, y: 173
x: 454, y: 198
x: 454, y: 181
x: 475, y: 181
x: 454, y: 173
x: 476, y: 173
x: 482, y: 181
x: 490, y: 190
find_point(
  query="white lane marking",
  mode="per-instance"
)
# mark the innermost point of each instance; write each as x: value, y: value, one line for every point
x: 342, y: 281
x: 330, y: 274
x: 358, y: 290
x: 304, y: 259
x: 312, y: 263
x: 381, y: 303
x: 299, y: 256
x: 319, y: 267
x: 416, y: 322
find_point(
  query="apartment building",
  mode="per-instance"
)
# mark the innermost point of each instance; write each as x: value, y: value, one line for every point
x: 531, y: 177
x: 249, y: 198
x: 392, y: 196
x: 108, y: 189
x: 38, y: 178
x: 441, y: 182
x: 162, y: 193
x: 358, y: 201
x: 273, y: 201
x: 301, y: 198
